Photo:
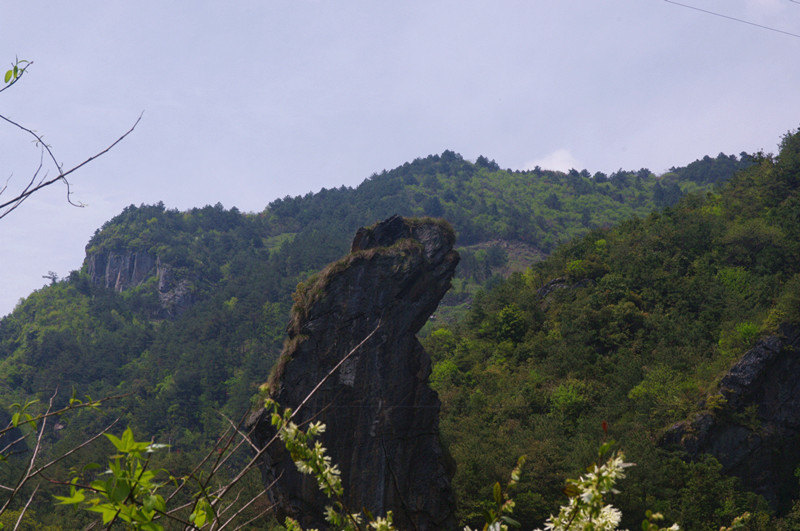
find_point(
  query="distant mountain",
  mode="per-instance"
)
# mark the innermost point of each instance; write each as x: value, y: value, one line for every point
x: 185, y: 312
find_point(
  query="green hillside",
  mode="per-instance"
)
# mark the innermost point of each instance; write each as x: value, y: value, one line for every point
x: 632, y: 326
x: 177, y: 372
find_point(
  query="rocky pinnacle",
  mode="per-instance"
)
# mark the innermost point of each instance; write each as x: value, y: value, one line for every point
x: 381, y: 415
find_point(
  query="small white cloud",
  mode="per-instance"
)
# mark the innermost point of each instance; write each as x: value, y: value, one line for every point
x: 560, y: 160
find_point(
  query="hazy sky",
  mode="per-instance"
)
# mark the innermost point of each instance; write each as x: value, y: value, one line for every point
x: 245, y: 102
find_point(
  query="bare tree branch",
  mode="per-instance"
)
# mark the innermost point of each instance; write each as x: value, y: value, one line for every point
x: 19, y: 73
x: 196, y: 469
x: 92, y: 403
x: 24, y: 477
x: 22, y: 512
x: 241, y: 433
x: 246, y: 505
x: 73, y: 450
x: 11, y: 445
x: 34, y: 185
x: 256, y: 517
x: 252, y: 463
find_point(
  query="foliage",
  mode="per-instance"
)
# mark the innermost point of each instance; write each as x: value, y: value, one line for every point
x: 178, y: 369
x: 126, y: 490
x: 631, y: 326
x: 587, y: 508
x: 18, y: 68
x: 498, y: 517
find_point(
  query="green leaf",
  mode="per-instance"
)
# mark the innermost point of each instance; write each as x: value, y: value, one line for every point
x: 100, y: 486
x: 107, y: 510
x: 149, y: 503
x: 510, y: 521
x: 498, y: 494
x: 8, y: 75
x: 127, y: 440
x: 116, y: 441
x: 77, y: 497
x: 605, y: 447
x: 198, y: 517
x: 90, y: 466
x: 120, y: 492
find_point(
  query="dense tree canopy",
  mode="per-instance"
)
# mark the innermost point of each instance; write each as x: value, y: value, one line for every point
x: 629, y: 327
x: 177, y: 373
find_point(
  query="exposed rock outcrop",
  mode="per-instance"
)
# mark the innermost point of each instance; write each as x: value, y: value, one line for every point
x: 174, y: 294
x: 754, y: 433
x: 120, y: 270
x: 382, y: 416
x: 123, y: 270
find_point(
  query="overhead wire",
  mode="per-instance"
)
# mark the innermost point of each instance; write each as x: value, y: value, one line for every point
x: 736, y: 19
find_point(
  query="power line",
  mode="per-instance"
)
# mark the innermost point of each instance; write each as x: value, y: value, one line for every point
x: 736, y: 19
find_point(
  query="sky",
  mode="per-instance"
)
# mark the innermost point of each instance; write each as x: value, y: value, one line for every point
x: 248, y: 101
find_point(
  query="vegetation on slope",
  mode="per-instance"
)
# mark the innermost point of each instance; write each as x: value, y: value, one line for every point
x: 177, y: 374
x: 627, y: 328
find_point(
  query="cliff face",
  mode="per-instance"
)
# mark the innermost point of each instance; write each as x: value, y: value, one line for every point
x: 382, y: 417
x: 122, y: 270
x: 754, y: 433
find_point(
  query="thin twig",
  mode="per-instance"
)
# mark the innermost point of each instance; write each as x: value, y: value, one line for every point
x: 25, y: 508
x: 11, y: 444
x: 130, y: 493
x: 61, y: 174
x: 261, y: 452
x: 196, y: 468
x: 242, y: 434
x: 30, y: 183
x: 82, y: 445
x: 92, y: 489
x: 20, y: 71
x: 222, y: 458
x: 93, y: 403
x: 228, y: 507
x: 246, y: 505
x: 330, y: 373
x: 24, y: 477
x: 204, y: 494
x: 256, y: 517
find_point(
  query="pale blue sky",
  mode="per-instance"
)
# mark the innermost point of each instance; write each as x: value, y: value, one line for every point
x: 248, y: 101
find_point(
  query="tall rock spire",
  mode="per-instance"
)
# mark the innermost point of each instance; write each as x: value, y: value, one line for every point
x: 381, y: 415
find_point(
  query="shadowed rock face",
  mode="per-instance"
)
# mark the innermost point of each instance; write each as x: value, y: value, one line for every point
x: 124, y: 270
x: 755, y: 434
x: 382, y: 417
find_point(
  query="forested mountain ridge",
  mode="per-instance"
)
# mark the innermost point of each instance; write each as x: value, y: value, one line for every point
x: 534, y: 210
x: 632, y: 328
x: 178, y: 368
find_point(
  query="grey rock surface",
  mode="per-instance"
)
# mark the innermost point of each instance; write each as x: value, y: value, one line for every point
x: 123, y: 270
x: 755, y: 434
x: 381, y: 415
